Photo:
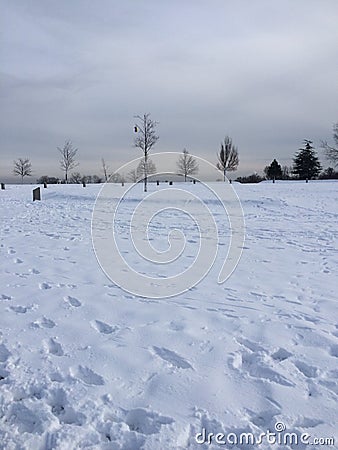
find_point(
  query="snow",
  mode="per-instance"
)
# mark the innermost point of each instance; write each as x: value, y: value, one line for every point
x: 85, y: 364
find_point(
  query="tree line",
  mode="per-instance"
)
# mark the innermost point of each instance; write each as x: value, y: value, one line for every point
x: 306, y: 164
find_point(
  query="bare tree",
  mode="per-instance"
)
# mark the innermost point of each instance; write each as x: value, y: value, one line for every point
x: 116, y: 177
x: 105, y: 169
x: 67, y: 161
x: 96, y: 179
x: 22, y: 168
x: 146, y: 139
x: 132, y: 176
x: 145, y: 168
x: 286, y: 172
x: 332, y: 152
x: 228, y: 157
x: 187, y: 164
x: 76, y: 178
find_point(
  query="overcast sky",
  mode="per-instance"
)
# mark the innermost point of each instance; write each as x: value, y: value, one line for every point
x: 263, y: 72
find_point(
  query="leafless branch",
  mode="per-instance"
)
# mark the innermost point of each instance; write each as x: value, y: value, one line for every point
x: 22, y: 168
x: 228, y: 157
x: 146, y: 138
x: 187, y: 164
x: 67, y: 161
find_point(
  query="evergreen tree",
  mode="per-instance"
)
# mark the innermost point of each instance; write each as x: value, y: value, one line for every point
x: 274, y: 171
x: 305, y: 163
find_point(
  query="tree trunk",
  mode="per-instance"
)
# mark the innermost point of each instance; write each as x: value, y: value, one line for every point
x: 145, y: 171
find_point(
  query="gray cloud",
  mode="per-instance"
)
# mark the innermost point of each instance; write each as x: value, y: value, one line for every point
x: 264, y: 72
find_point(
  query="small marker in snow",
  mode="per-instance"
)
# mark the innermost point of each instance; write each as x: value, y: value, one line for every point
x: 36, y: 194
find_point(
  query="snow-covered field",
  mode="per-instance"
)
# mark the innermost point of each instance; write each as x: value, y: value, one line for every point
x: 84, y: 364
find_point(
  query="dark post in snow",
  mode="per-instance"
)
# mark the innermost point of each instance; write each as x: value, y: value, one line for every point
x: 273, y: 179
x: 307, y: 180
x: 45, y: 185
x: 36, y: 194
x: 157, y: 182
x: 2, y: 186
x: 170, y: 183
x: 84, y: 184
x: 230, y: 181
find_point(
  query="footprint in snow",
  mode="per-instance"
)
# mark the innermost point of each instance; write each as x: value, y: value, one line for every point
x: 5, y: 297
x: 306, y: 370
x: 334, y: 350
x: 308, y: 422
x: 252, y: 364
x: 253, y: 346
x: 325, y: 268
x: 176, y: 325
x: 146, y: 422
x: 263, y: 419
x: 72, y: 301
x: 172, y: 358
x: 17, y: 261
x: 43, y: 323
x: 213, y: 424
x: 88, y: 376
x: 54, y: 347
x: 281, y: 355
x: 68, y: 416
x: 11, y: 251
x: 19, y: 309
x: 4, y: 353
x: 34, y: 271
x: 103, y: 327
x: 45, y: 286
x: 3, y: 374
x: 23, y: 419
x: 335, y: 333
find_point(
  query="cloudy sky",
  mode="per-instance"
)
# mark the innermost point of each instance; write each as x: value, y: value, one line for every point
x: 263, y: 72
